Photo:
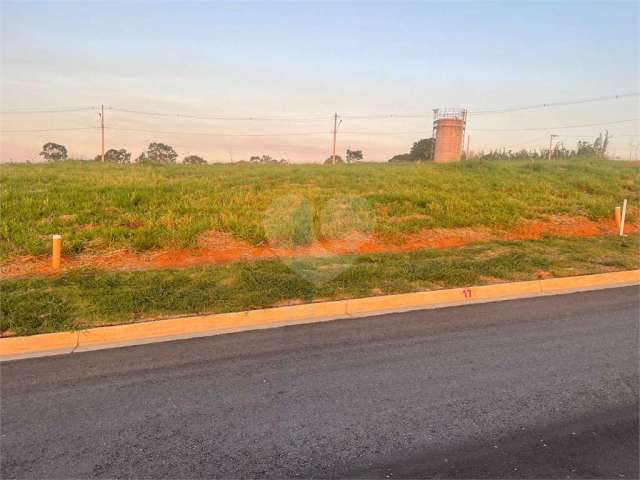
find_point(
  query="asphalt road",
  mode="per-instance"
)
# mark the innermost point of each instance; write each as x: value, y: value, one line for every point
x: 544, y: 387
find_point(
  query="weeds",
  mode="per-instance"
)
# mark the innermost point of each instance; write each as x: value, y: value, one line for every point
x: 83, y: 298
x: 144, y: 207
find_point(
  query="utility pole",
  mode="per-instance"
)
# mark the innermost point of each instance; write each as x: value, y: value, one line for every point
x: 551, y: 137
x: 468, y: 142
x: 335, y: 130
x: 102, y: 128
x: 633, y: 150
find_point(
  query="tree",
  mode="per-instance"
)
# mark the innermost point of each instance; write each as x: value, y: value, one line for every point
x: 600, y: 144
x: 194, y: 160
x: 421, y: 151
x: 329, y: 160
x: 596, y: 149
x: 402, y: 157
x: 159, y: 153
x: 267, y: 159
x: 354, y: 155
x: 53, y: 152
x: 116, y: 156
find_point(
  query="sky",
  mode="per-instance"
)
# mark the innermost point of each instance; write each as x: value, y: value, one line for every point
x: 291, y: 65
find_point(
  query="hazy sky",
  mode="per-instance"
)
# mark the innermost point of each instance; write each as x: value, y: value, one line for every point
x: 303, y: 59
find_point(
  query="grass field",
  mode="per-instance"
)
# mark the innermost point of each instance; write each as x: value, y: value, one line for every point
x: 83, y: 298
x: 101, y: 207
x: 105, y: 208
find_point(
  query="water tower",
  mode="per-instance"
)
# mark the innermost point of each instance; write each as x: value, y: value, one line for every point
x: 448, y: 131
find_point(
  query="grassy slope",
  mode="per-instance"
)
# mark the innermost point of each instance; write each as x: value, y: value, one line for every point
x: 101, y: 207
x: 93, y: 297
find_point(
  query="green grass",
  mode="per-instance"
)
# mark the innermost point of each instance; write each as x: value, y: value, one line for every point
x: 85, y: 298
x: 100, y: 207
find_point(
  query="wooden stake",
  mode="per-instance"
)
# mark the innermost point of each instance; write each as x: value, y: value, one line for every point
x: 56, y: 250
x: 618, y: 217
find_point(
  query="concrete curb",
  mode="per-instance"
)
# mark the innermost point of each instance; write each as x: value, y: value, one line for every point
x: 14, y: 348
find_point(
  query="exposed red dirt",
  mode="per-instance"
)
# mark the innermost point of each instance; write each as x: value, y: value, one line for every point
x: 219, y: 248
x: 566, y: 226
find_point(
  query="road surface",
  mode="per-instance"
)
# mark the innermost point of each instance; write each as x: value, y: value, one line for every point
x: 544, y: 387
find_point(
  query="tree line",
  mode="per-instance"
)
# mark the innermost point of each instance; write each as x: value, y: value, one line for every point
x: 157, y: 153
x: 596, y: 149
x: 421, y: 151
x: 162, y: 154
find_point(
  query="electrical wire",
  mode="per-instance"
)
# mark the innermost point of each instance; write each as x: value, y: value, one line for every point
x: 558, y: 127
x: 386, y: 115
x: 318, y: 117
x: 212, y: 134
x: 419, y: 132
x: 287, y: 134
x: 408, y: 132
x: 507, y: 109
x: 557, y: 104
x: 218, y: 117
x: 564, y: 135
x: 323, y: 117
x: 62, y: 110
x: 50, y: 130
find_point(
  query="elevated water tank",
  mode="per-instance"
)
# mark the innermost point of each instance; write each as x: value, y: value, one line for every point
x: 448, y: 131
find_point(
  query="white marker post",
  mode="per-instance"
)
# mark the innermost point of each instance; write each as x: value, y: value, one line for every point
x: 624, y: 213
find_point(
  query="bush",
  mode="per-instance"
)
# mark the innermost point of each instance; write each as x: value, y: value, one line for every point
x: 194, y: 160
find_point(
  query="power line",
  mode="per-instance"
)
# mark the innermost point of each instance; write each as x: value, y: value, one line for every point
x: 218, y: 117
x: 286, y: 134
x: 174, y: 132
x: 558, y: 127
x: 212, y: 134
x: 408, y: 132
x: 557, y: 104
x: 49, y: 130
x: 387, y: 115
x: 564, y: 135
x: 504, y: 110
x: 322, y: 117
x: 61, y: 110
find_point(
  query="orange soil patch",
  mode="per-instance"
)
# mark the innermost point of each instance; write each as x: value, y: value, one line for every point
x: 219, y: 248
x: 567, y: 227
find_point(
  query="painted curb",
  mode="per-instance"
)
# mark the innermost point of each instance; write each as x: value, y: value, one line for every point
x: 14, y: 348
